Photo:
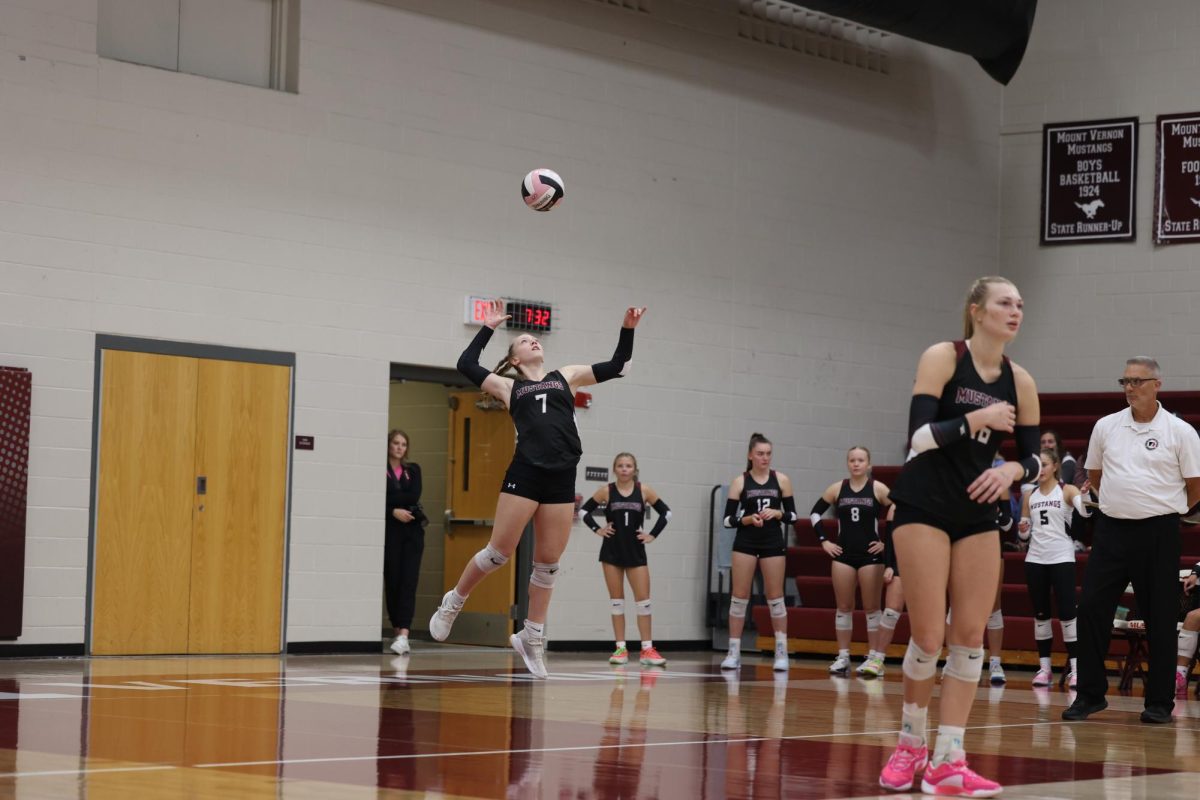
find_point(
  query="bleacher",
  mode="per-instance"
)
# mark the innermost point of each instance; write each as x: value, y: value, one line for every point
x: 1071, y: 415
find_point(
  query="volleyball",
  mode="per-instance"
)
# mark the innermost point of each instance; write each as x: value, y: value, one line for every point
x: 542, y: 189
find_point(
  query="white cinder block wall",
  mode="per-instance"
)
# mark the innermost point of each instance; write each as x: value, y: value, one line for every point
x: 1090, y: 307
x: 798, y: 229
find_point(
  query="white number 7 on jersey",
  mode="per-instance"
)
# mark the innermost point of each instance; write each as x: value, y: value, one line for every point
x: 541, y: 397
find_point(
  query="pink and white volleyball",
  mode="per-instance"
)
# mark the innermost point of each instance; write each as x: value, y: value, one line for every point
x: 542, y: 189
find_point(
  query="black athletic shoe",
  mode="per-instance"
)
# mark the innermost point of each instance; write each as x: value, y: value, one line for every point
x: 1156, y: 715
x: 1082, y: 708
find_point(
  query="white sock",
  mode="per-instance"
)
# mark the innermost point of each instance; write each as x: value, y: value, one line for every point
x: 995, y: 661
x: 913, y: 722
x: 1073, y: 666
x: 535, y: 629
x: 457, y: 599
x: 949, y: 745
x: 620, y: 644
x: 1044, y: 663
x: 646, y: 645
x: 843, y: 653
x: 1181, y: 670
x: 735, y: 646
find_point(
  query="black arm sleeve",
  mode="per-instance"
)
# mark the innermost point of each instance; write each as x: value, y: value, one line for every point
x: 664, y: 516
x: 789, y: 510
x: 733, y: 516
x: 922, y: 410
x: 1004, y: 519
x: 468, y: 362
x: 615, y: 367
x: 585, y: 514
x: 889, y: 547
x: 1029, y: 444
x: 819, y: 508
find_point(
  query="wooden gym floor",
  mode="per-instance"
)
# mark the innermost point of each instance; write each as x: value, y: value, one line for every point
x: 460, y: 722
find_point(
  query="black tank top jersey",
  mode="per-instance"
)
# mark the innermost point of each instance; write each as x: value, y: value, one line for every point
x: 544, y: 415
x: 857, y: 513
x: 759, y: 497
x: 936, y: 481
x: 625, y: 513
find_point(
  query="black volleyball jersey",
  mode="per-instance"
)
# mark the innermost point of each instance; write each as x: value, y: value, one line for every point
x: 544, y: 415
x: 857, y: 513
x: 625, y: 513
x: 759, y: 497
x: 936, y: 480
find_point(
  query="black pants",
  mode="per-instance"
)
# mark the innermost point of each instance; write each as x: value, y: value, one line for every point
x: 1041, y: 579
x: 403, y: 546
x: 1146, y: 553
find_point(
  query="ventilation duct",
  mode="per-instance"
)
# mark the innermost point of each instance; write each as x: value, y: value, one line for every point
x: 993, y: 32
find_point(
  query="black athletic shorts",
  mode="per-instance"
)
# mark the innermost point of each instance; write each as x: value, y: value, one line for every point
x: 760, y: 544
x: 623, y: 551
x: 545, y: 486
x: 909, y: 515
x: 858, y: 560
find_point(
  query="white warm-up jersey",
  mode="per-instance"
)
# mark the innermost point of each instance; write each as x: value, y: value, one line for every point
x: 1049, y: 516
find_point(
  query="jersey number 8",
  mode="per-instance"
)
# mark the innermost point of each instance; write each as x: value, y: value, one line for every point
x: 854, y: 513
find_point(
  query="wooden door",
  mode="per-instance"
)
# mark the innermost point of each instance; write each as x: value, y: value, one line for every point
x: 144, y: 489
x: 191, y: 491
x: 237, y: 540
x: 482, y: 441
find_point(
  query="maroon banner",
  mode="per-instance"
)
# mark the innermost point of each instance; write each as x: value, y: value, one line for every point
x: 1089, y: 176
x: 15, y: 393
x: 1177, y: 179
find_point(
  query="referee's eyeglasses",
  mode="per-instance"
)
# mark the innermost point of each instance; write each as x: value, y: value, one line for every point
x: 1134, y: 382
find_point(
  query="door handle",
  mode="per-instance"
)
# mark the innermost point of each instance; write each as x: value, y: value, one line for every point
x: 201, y: 484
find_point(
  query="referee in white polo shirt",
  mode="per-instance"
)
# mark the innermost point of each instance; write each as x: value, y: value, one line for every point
x: 1145, y: 463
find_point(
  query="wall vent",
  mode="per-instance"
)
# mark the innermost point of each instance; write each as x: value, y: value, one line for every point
x: 794, y: 27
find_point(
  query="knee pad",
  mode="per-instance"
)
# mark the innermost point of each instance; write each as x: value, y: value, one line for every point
x: 873, y: 618
x: 843, y: 621
x: 1044, y: 629
x: 777, y: 607
x: 737, y: 606
x: 964, y: 663
x: 996, y: 620
x: 1187, y: 643
x: 1070, y: 633
x: 618, y: 607
x: 918, y: 664
x: 643, y: 607
x: 489, y: 559
x: 889, y: 619
x: 544, y: 575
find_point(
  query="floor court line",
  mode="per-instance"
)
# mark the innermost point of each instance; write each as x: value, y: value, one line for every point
x: 513, y: 751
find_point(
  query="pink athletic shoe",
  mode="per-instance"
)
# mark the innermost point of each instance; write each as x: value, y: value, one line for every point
x: 1181, y: 681
x: 956, y: 779
x: 1043, y: 678
x: 900, y: 771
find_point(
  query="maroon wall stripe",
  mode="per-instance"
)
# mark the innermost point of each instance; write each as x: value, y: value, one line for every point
x: 15, y: 395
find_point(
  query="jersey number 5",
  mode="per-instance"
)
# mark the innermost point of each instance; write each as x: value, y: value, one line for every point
x: 1043, y: 516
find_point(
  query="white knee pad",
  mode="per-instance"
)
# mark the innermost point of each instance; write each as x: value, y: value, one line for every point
x: 544, y: 575
x: 964, y: 663
x: 777, y: 607
x: 889, y: 619
x: 643, y: 607
x: 1044, y: 629
x: 996, y: 620
x: 737, y: 606
x: 1187, y: 643
x: 843, y: 621
x: 489, y: 559
x: 873, y: 618
x: 918, y: 664
x: 618, y: 606
x: 1070, y: 633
